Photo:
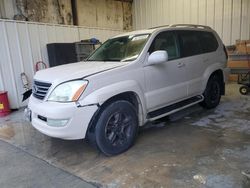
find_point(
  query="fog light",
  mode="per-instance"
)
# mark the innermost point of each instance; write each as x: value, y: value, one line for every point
x: 57, y: 122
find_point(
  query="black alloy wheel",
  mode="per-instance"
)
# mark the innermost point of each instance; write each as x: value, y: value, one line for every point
x: 116, y: 128
x: 212, y: 93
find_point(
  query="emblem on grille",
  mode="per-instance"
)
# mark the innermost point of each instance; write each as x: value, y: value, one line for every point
x: 40, y: 89
x: 34, y: 88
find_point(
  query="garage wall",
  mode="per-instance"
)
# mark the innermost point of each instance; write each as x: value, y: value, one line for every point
x: 22, y: 44
x: 104, y: 13
x: 7, y: 9
x: 230, y: 18
x: 115, y: 14
x: 47, y: 11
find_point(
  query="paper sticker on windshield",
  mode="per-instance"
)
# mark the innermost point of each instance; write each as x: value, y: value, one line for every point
x: 140, y: 37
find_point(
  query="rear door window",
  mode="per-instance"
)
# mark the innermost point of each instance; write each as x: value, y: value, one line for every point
x: 189, y: 43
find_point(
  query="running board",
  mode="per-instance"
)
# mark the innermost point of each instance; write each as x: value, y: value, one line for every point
x: 174, y: 107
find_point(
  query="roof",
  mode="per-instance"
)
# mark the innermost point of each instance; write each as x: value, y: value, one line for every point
x: 151, y: 30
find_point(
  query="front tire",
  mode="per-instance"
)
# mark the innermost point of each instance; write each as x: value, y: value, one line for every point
x: 116, y: 128
x: 212, y: 93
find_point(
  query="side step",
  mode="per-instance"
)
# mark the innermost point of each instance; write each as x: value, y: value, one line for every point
x: 174, y: 107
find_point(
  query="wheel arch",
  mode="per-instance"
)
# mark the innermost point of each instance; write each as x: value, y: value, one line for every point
x: 129, y: 96
x: 218, y: 72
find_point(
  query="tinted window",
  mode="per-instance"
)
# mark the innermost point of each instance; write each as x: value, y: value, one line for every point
x: 165, y: 41
x: 189, y: 43
x: 208, y: 42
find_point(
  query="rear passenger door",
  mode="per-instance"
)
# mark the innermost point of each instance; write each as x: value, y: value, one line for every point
x: 191, y: 53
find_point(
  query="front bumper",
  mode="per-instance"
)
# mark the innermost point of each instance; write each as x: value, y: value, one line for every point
x: 78, y: 118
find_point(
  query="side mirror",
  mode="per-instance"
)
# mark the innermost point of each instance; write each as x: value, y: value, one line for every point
x: 158, y: 57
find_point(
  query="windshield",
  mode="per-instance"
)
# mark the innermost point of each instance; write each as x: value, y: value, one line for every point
x: 125, y: 48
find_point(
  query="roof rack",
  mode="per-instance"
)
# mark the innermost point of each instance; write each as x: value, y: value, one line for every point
x: 159, y: 26
x: 183, y: 25
x: 190, y: 25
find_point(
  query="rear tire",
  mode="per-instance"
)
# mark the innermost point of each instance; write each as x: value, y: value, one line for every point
x: 244, y: 90
x: 212, y: 93
x: 117, y: 127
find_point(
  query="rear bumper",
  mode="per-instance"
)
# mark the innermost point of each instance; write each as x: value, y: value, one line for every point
x: 78, y: 118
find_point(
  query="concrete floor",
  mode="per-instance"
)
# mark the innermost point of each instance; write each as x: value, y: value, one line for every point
x: 193, y: 148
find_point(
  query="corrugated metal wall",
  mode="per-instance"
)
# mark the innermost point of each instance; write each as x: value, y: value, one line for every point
x: 230, y: 18
x: 22, y: 44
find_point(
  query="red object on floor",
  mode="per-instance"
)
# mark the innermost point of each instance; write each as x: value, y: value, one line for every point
x: 4, y: 104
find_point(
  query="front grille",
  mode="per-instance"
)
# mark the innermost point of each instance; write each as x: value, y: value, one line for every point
x: 40, y: 89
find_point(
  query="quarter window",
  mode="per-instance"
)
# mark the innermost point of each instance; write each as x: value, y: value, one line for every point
x: 165, y: 41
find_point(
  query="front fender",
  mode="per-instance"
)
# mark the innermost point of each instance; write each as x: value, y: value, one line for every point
x: 101, y: 95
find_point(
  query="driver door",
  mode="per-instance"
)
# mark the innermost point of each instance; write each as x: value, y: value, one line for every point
x: 166, y: 82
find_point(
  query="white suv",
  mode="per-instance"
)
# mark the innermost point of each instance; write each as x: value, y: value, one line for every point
x: 131, y: 79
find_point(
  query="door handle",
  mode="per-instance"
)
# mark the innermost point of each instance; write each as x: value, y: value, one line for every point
x: 181, y: 65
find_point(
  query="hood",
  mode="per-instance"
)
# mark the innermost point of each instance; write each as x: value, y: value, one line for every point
x: 74, y: 71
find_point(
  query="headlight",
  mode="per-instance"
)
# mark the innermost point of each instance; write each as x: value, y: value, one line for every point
x: 68, y: 91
